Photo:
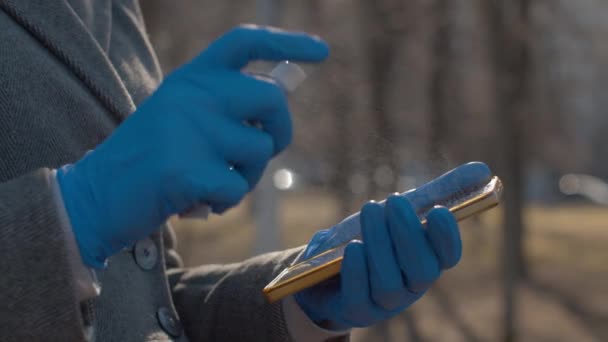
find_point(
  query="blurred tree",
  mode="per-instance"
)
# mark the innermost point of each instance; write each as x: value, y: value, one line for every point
x: 383, y: 27
x: 509, y: 29
x: 341, y: 107
x: 269, y: 12
x: 265, y: 204
x: 438, y: 84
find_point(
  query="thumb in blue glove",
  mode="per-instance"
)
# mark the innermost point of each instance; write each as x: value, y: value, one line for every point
x: 397, y: 260
x: 189, y: 143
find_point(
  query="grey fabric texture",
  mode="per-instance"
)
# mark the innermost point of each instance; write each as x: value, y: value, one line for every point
x: 32, y: 271
x: 220, y: 285
x: 67, y: 79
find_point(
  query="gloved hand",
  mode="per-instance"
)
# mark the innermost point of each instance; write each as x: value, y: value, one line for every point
x: 188, y: 143
x: 397, y: 260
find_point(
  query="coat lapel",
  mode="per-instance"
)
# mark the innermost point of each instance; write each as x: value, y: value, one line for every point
x: 56, y: 26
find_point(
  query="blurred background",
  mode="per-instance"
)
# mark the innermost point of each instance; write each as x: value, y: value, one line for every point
x: 412, y: 89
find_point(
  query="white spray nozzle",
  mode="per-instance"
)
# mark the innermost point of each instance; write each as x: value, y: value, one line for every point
x: 289, y: 75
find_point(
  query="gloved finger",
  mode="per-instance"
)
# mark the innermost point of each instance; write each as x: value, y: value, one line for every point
x: 354, y: 286
x: 262, y: 101
x: 227, y: 190
x: 185, y: 188
x: 457, y: 180
x: 416, y: 257
x: 219, y: 209
x: 442, y: 231
x: 386, y: 280
x: 252, y: 172
x: 313, y: 247
x: 248, y: 43
x: 245, y: 144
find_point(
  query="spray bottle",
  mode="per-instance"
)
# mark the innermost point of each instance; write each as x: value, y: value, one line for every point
x: 289, y: 76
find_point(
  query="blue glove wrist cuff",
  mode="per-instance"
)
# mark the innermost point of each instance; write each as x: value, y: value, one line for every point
x: 92, y: 257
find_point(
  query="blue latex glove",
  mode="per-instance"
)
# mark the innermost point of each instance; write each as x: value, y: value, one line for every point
x: 177, y: 150
x: 397, y: 260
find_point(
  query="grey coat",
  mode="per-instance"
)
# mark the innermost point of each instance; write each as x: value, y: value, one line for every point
x: 66, y: 81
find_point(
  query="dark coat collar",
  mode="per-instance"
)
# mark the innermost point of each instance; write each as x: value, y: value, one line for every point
x: 58, y: 28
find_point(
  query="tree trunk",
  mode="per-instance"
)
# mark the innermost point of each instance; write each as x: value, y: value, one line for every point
x: 382, y: 32
x: 509, y: 25
x: 438, y: 85
x: 339, y: 155
x: 265, y: 198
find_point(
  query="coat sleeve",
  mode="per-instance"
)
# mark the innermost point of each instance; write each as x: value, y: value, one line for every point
x: 37, y: 290
x: 225, y: 302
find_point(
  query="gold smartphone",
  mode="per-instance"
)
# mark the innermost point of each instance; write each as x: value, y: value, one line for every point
x: 318, y: 268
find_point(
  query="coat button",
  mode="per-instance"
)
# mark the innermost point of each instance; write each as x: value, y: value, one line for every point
x: 169, y: 322
x: 146, y: 254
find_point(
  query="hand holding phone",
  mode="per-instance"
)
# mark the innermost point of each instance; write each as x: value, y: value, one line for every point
x: 460, y: 193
